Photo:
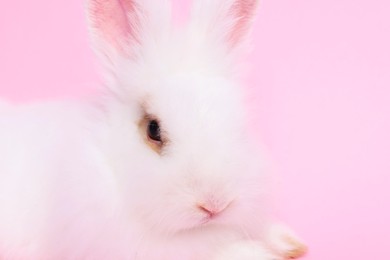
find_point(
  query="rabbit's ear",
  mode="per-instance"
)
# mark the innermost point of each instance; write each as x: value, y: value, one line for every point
x: 114, y: 26
x: 225, y: 22
x: 120, y: 27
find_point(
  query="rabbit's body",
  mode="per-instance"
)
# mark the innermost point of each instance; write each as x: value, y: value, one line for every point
x: 164, y: 166
x: 45, y: 174
x: 50, y: 208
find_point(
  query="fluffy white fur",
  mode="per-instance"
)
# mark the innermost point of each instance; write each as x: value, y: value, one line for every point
x: 77, y: 181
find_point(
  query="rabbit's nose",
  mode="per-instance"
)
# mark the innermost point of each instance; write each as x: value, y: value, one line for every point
x: 213, y: 209
x: 208, y: 210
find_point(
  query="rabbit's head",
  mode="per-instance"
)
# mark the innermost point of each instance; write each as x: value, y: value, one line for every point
x: 181, y: 149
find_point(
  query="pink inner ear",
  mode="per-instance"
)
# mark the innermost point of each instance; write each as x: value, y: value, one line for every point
x: 181, y: 11
x: 243, y: 11
x: 110, y: 19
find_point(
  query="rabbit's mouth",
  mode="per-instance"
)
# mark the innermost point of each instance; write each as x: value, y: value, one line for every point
x: 206, y: 220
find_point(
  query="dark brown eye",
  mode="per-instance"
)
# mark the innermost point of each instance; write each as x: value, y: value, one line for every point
x: 154, y: 136
x: 153, y: 130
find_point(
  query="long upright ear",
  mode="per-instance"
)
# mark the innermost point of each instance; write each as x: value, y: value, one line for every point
x: 114, y: 26
x: 224, y: 22
x: 119, y: 27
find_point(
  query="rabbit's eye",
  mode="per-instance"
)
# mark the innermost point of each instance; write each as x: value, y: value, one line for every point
x: 153, y: 131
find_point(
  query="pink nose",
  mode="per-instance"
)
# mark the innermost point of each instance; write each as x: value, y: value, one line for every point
x: 212, y: 210
x: 207, y: 210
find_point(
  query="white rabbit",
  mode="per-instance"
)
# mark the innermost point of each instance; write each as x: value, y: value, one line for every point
x: 163, y: 167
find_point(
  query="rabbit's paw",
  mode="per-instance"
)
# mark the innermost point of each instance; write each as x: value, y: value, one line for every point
x: 246, y: 250
x: 285, y: 243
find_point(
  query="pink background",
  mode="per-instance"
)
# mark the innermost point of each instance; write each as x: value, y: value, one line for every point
x: 323, y: 85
